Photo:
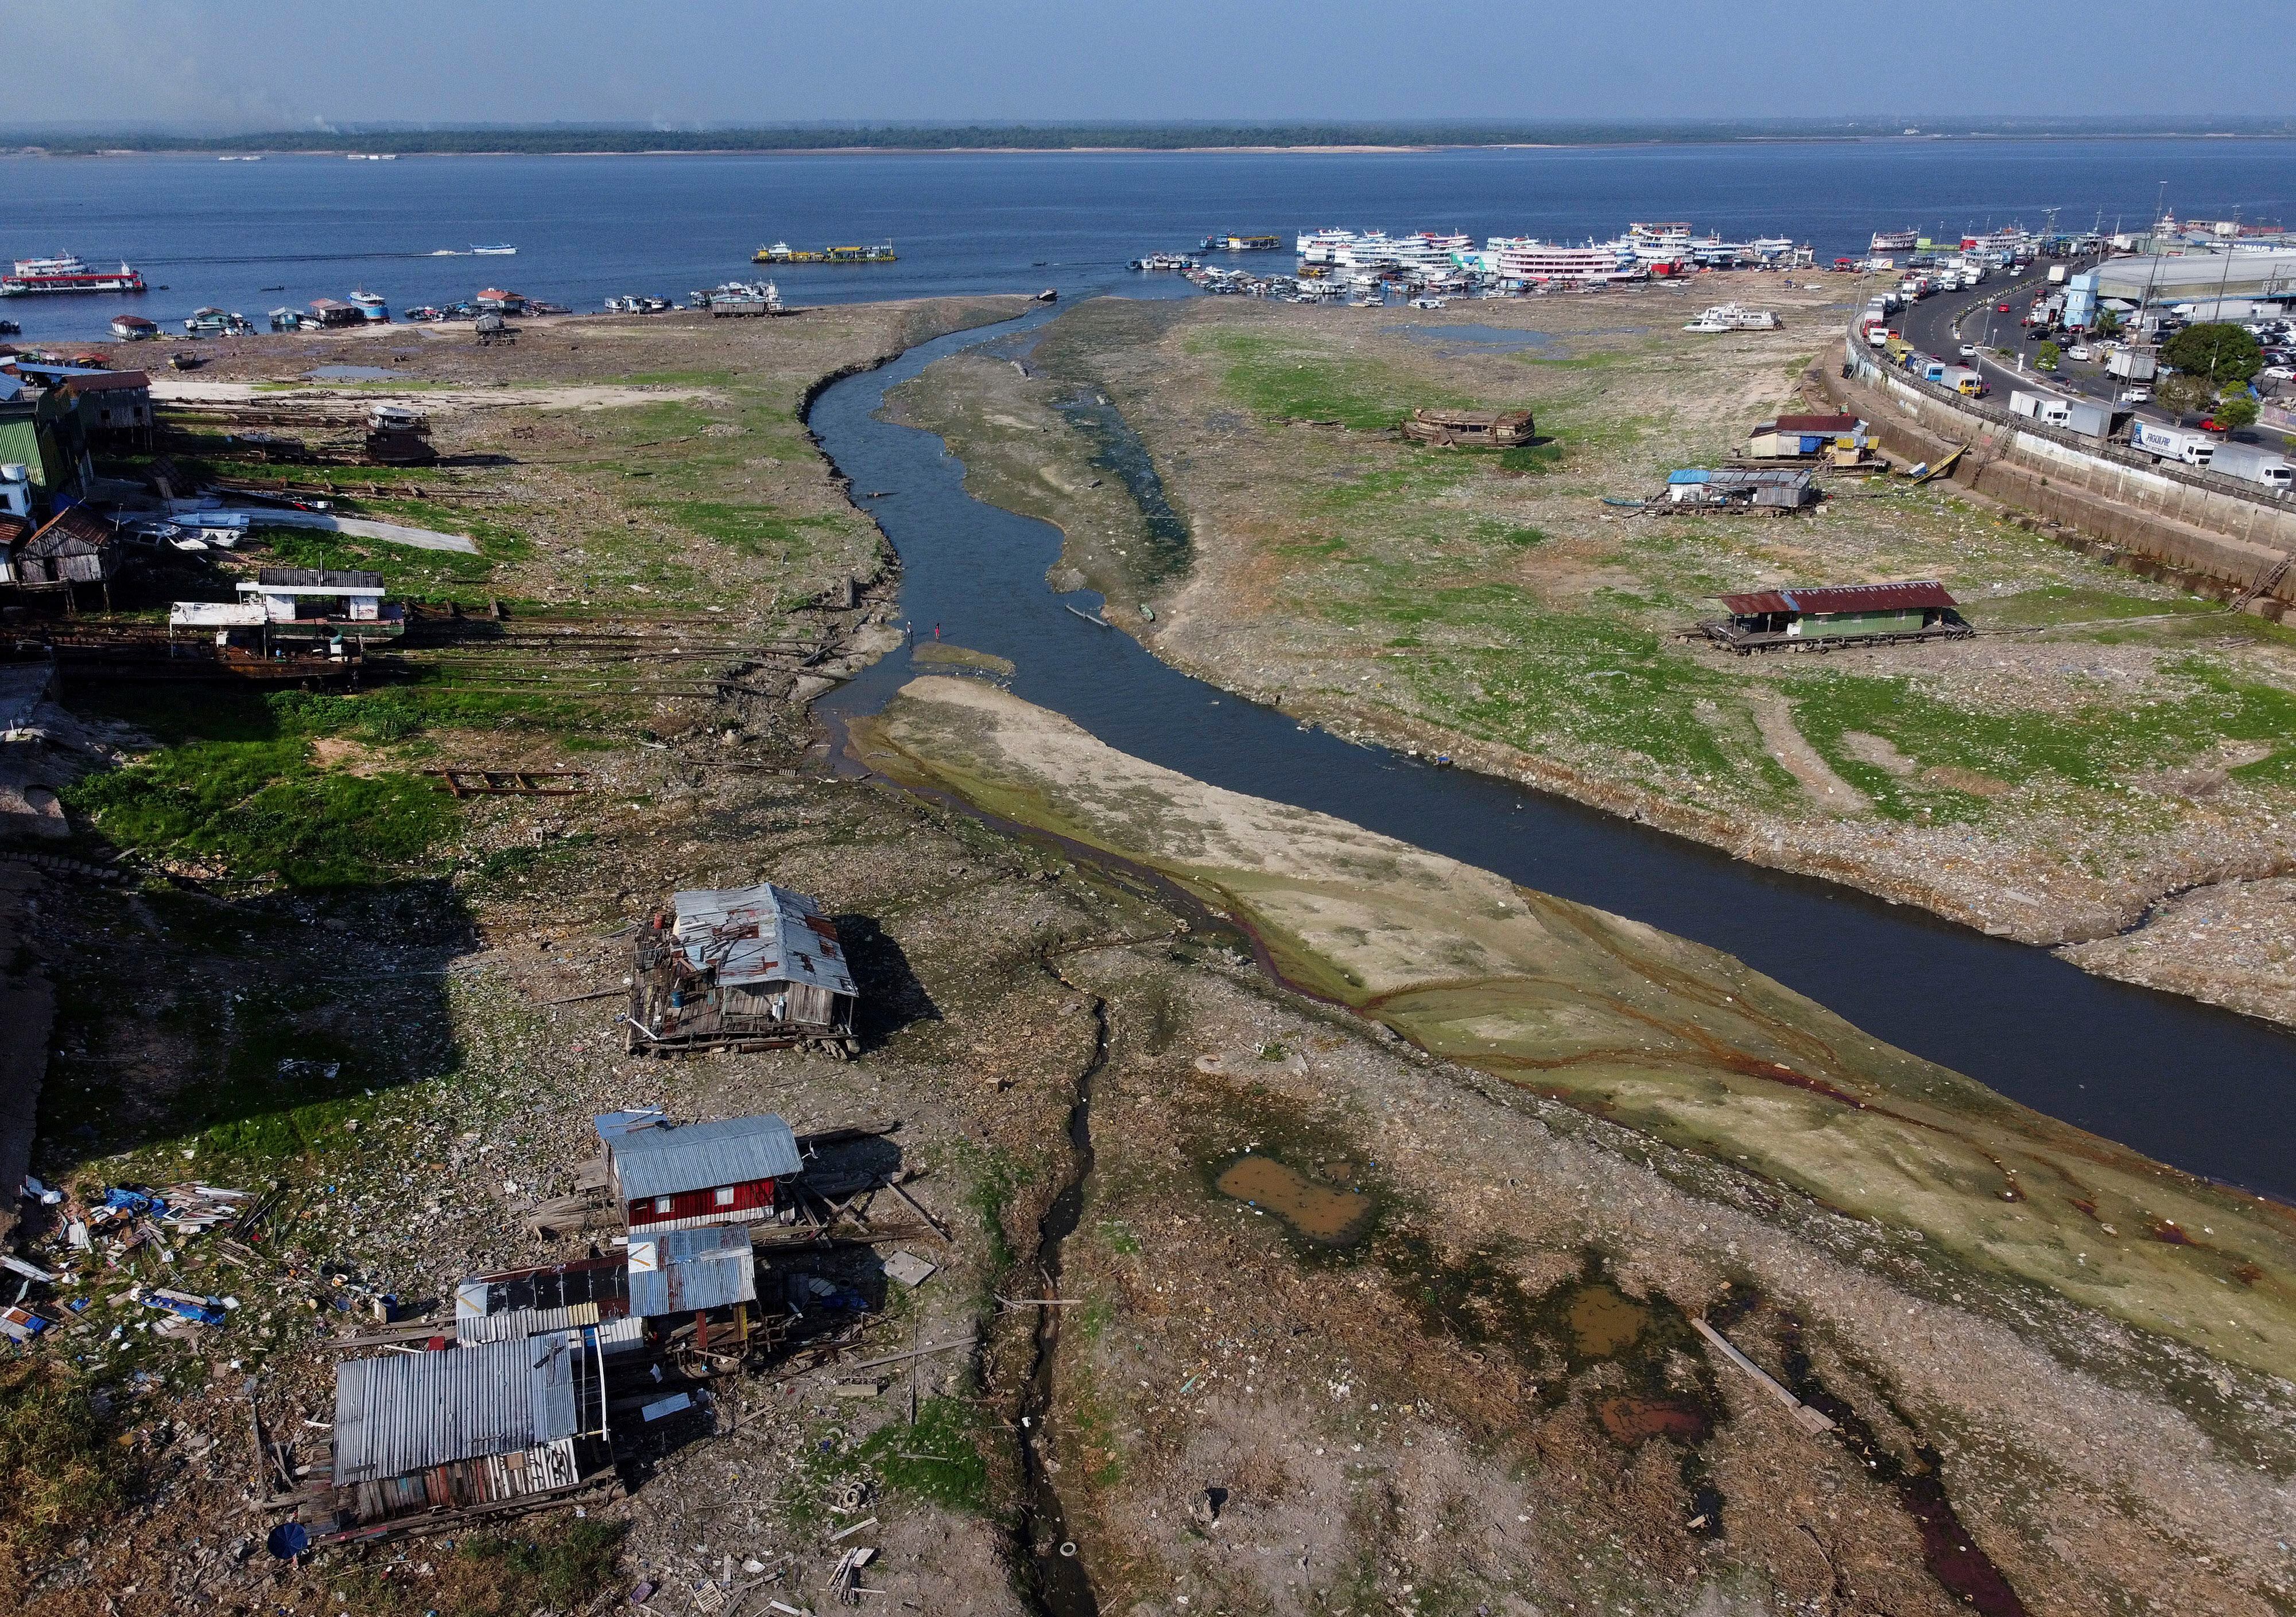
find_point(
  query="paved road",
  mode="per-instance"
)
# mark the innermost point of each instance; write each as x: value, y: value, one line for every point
x: 1939, y: 325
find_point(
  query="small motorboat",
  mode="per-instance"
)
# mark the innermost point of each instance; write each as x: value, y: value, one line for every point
x: 1047, y: 296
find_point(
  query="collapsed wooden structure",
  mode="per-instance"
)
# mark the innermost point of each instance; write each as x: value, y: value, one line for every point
x: 744, y: 968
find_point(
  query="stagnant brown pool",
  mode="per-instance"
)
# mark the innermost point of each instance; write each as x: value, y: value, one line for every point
x: 1317, y: 1212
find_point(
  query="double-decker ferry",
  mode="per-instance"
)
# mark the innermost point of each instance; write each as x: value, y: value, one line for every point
x: 66, y: 275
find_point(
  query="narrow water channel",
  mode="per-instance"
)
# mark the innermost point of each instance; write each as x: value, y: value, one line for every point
x: 2204, y: 1089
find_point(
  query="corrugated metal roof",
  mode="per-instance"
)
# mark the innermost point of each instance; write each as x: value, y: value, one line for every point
x: 663, y: 1162
x: 761, y: 934
x: 555, y: 1285
x: 316, y: 577
x: 1841, y: 598
x: 515, y: 1323
x: 105, y: 381
x: 75, y: 527
x: 406, y: 1411
x: 682, y: 1270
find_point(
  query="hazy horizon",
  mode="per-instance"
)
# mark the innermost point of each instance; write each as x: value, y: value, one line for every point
x: 197, y: 67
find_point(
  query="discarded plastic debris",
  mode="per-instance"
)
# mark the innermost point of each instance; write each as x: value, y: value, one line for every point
x: 671, y: 1405
x: 288, y: 1541
x: 198, y: 1310
x: 20, y: 1325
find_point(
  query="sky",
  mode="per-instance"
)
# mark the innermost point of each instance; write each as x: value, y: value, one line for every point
x: 261, y: 64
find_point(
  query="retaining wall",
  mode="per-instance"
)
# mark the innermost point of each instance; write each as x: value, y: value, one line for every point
x: 2171, y: 516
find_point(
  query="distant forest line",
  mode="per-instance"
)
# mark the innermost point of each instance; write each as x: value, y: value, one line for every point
x: 1063, y: 136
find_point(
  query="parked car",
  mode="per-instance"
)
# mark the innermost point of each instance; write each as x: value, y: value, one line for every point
x: 2077, y: 351
x: 2135, y: 396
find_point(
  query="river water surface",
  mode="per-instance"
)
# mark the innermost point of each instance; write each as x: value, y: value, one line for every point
x: 2206, y: 1090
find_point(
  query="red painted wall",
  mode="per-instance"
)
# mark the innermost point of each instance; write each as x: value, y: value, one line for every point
x: 702, y: 1203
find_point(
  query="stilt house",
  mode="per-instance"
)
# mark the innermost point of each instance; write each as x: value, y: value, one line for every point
x: 745, y: 967
x: 669, y: 1177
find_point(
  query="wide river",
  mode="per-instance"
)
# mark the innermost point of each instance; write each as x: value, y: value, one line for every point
x: 2208, y: 1091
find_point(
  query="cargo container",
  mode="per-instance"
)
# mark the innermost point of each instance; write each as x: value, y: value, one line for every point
x: 2080, y: 415
x: 2180, y: 444
x: 2130, y: 364
x: 2251, y: 464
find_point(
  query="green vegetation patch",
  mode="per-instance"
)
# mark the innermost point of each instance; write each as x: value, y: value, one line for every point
x: 938, y: 1460
x: 749, y: 530
x: 2099, y: 747
x: 1282, y: 378
x: 65, y: 1475
x: 235, y: 785
x: 262, y: 809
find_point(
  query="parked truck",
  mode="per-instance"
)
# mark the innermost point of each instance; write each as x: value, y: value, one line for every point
x: 2180, y: 444
x: 2130, y: 364
x: 2057, y: 275
x: 2082, y: 416
x: 2254, y: 464
x: 1965, y: 381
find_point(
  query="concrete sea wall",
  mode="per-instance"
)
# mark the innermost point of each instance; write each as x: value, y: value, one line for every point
x: 2181, y: 520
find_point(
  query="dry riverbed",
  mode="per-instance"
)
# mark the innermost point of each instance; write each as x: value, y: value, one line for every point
x: 2054, y: 784
x: 1468, y: 1378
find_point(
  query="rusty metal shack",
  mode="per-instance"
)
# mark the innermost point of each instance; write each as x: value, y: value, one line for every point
x: 746, y: 968
x: 1498, y: 429
x: 1770, y: 491
x: 667, y: 1178
x: 467, y: 1427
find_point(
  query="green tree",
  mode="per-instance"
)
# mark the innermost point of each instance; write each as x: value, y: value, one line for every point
x: 2181, y: 394
x: 2048, y: 357
x: 2223, y: 353
x: 2107, y: 323
x: 2235, y: 410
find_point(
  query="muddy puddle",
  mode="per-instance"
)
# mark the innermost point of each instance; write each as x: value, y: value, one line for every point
x: 1454, y: 340
x: 1604, y: 1323
x: 1315, y: 1206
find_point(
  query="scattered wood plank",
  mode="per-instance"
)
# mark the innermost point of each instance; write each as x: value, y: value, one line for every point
x: 1808, y: 1418
x: 472, y: 782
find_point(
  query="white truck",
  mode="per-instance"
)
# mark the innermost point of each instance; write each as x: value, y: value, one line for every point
x: 2253, y: 464
x: 2057, y: 275
x: 2180, y: 444
x: 2082, y: 416
x: 2130, y: 364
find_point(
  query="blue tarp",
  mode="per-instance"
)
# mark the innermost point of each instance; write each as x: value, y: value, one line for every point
x: 1693, y: 475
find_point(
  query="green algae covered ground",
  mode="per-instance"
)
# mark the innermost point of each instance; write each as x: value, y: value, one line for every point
x: 1645, y: 1027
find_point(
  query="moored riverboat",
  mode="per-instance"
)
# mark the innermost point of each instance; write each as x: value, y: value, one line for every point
x: 66, y: 274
